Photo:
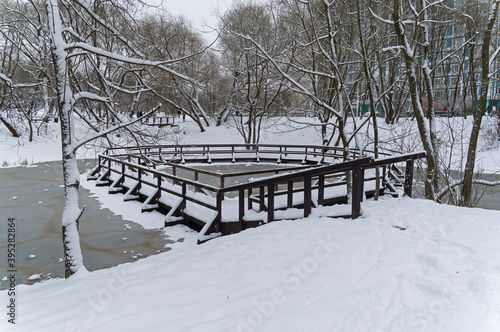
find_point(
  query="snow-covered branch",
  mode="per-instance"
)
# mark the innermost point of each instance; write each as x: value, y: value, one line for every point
x: 112, y: 129
x: 88, y: 95
x: 381, y: 19
x: 136, y: 61
x: 300, y: 88
x: 7, y: 80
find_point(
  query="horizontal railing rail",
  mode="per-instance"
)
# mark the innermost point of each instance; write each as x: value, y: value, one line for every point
x: 138, y: 173
x: 207, y: 152
x: 221, y: 177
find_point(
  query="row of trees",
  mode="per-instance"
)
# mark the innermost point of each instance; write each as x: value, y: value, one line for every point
x: 99, y: 62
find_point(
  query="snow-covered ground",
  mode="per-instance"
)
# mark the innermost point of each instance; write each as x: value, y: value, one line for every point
x: 398, y: 268
x: 406, y: 265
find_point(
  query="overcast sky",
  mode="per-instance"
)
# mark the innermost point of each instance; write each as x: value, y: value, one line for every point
x: 198, y: 11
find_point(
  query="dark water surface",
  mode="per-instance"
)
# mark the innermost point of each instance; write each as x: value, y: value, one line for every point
x: 34, y: 197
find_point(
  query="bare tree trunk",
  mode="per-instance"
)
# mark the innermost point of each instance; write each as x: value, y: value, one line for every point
x: 369, y: 78
x: 11, y: 128
x: 73, y: 259
x: 410, y: 61
x: 478, y: 113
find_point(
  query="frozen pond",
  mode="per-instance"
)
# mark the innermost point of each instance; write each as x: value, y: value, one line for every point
x: 34, y: 197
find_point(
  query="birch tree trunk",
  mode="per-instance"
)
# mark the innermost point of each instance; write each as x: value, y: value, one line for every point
x: 73, y: 260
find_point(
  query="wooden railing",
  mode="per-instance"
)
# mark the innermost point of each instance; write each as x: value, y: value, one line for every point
x: 357, y: 168
x: 143, y: 175
x: 231, y: 153
x: 160, y: 121
x: 221, y: 178
x: 140, y: 168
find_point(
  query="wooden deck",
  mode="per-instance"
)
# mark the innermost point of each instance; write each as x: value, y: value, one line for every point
x: 317, y: 179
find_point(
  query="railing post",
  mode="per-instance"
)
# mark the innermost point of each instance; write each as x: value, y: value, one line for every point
x: 289, y: 196
x: 250, y: 192
x: 196, y: 188
x: 262, y: 205
x: 218, y: 218
x: 384, y: 170
x: 174, y: 173
x: 357, y: 191
x: 307, y: 196
x: 222, y: 185
x: 108, y: 173
x: 409, y: 177
x: 270, y: 202
x: 139, y: 177
x: 182, y: 206
x: 159, y: 185
x: 321, y: 189
x: 241, y: 208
